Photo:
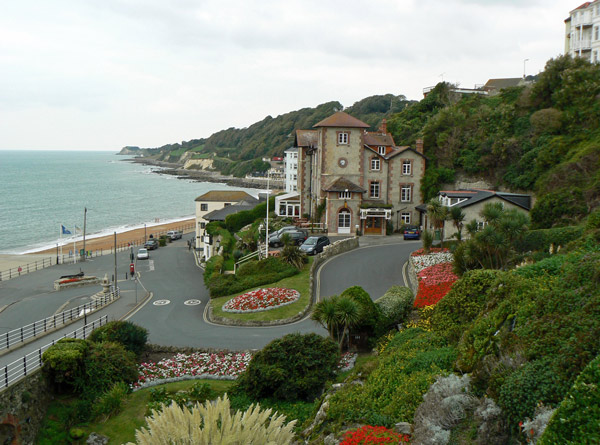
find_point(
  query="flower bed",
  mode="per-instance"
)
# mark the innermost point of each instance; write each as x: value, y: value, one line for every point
x: 435, y: 275
x: 373, y: 434
x: 261, y: 300
x: 198, y: 365
x: 347, y: 361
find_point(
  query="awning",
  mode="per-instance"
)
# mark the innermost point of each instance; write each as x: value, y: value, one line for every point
x: 375, y: 212
x: 294, y: 196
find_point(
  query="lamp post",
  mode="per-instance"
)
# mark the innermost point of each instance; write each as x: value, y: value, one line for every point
x: 145, y: 234
x: 267, y: 232
x: 56, y: 253
x: 524, y: 71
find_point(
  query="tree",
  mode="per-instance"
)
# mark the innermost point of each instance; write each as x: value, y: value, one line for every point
x: 457, y: 215
x: 325, y: 313
x: 349, y: 315
x: 293, y: 256
x: 438, y: 214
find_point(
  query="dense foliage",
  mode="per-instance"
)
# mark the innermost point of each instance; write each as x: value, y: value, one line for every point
x: 128, y: 334
x: 293, y: 367
x: 395, y: 304
x: 63, y: 362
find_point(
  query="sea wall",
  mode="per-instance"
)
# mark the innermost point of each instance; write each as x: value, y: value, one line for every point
x: 23, y: 408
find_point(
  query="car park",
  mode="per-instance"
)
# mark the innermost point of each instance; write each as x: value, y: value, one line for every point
x: 314, y: 244
x: 143, y: 254
x: 411, y: 232
x: 151, y: 244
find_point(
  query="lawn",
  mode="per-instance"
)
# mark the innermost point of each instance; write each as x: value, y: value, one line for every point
x: 298, y: 282
x: 121, y: 428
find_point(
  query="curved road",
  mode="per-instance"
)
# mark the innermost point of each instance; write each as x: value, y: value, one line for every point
x: 174, y: 279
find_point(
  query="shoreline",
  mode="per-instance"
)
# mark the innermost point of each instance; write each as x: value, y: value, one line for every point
x: 133, y: 236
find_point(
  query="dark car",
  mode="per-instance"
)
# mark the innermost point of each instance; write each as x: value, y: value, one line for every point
x: 151, y: 244
x: 297, y: 237
x: 412, y: 232
x: 315, y: 244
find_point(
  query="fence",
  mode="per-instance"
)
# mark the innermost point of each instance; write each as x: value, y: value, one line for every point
x: 20, y: 368
x: 66, y: 259
x: 17, y: 336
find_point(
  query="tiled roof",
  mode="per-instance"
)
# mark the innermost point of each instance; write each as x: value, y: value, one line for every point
x: 307, y: 138
x: 341, y: 119
x: 224, y: 196
x: 219, y: 215
x: 342, y: 185
x: 378, y: 139
x: 498, y: 84
x: 476, y: 195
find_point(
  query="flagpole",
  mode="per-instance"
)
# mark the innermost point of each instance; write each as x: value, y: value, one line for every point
x: 60, y: 241
x: 84, y: 221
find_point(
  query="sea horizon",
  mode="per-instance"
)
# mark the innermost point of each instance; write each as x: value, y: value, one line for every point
x: 43, y: 190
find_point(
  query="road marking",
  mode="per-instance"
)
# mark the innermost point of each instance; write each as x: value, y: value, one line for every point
x: 151, y: 265
x: 161, y: 302
x: 192, y: 302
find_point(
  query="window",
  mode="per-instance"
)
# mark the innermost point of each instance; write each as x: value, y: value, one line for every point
x: 375, y: 163
x: 405, y: 217
x: 345, y: 195
x: 202, y: 225
x: 343, y: 138
x: 294, y: 188
x: 406, y: 193
x: 294, y: 166
x: 344, y: 219
x: 596, y: 32
x: 227, y: 204
x: 374, y: 190
x: 294, y: 177
x: 481, y: 225
x: 282, y: 208
x: 407, y: 167
x: 203, y: 207
x: 381, y: 150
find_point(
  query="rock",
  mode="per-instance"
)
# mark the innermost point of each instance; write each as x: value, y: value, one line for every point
x: 330, y: 440
x: 96, y: 439
x: 403, y: 428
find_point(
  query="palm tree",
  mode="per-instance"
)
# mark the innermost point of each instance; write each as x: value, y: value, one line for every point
x: 293, y: 256
x: 326, y: 314
x: 349, y: 315
x: 458, y: 219
x: 438, y: 214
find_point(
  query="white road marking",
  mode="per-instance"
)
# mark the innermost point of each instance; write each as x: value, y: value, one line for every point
x: 161, y: 302
x: 151, y: 265
x: 192, y: 302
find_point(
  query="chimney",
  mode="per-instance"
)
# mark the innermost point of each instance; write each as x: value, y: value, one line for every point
x: 419, y: 145
x: 383, y: 127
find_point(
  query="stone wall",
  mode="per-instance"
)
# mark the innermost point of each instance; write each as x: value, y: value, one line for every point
x: 330, y: 251
x: 23, y: 408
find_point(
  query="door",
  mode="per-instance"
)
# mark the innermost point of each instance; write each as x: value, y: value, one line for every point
x: 344, y: 221
x: 373, y: 225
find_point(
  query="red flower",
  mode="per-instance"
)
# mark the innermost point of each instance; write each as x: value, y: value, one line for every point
x: 373, y: 434
x: 434, y: 283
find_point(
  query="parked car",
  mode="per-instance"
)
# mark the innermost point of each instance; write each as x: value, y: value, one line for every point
x: 143, y: 254
x: 314, y: 244
x: 297, y: 236
x: 174, y: 234
x: 412, y: 232
x: 151, y: 244
x: 275, y: 237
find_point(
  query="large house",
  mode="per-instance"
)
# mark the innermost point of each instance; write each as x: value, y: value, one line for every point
x: 472, y: 201
x: 356, y: 180
x: 582, y: 32
x: 216, y: 200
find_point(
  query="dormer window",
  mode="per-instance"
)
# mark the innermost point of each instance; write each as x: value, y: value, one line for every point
x: 343, y: 138
x: 381, y: 150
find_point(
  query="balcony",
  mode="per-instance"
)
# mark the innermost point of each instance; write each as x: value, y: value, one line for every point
x: 583, y: 45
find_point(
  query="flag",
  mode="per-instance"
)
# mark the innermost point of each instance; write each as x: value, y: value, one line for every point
x: 64, y: 230
x: 78, y: 230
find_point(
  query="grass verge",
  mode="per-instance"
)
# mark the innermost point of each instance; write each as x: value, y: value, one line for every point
x: 298, y: 282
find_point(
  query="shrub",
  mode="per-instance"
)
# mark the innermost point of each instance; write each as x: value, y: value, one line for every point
x: 534, y: 382
x: 463, y: 303
x: 213, y: 268
x: 63, y: 362
x: 130, y: 335
x: 111, y: 402
x: 293, y: 256
x: 593, y: 220
x: 295, y: 366
x: 396, y: 303
x: 370, y: 313
x: 427, y: 237
x: 215, y: 424
x: 106, y: 363
x: 541, y: 239
x: 578, y: 415
x: 558, y: 208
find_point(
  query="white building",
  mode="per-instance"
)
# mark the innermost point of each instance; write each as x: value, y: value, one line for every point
x: 582, y: 32
x: 291, y: 170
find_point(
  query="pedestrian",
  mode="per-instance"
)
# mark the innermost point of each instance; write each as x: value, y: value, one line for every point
x: 190, y: 244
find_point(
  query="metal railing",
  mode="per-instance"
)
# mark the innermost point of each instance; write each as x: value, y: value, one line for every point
x: 27, y: 268
x: 32, y: 330
x: 22, y: 367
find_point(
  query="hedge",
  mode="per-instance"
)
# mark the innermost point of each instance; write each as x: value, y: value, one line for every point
x: 541, y: 239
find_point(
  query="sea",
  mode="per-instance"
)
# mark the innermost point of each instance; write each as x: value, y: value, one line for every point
x: 40, y: 191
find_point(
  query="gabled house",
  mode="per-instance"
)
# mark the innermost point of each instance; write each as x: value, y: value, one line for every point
x: 357, y: 180
x: 216, y: 200
x: 472, y: 202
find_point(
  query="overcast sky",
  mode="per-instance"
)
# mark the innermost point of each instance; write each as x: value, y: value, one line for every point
x: 102, y: 74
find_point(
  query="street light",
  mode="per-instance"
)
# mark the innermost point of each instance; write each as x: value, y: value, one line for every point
x: 267, y: 232
x: 144, y: 233
x: 524, y: 63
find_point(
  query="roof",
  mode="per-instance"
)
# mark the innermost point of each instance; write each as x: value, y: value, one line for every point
x: 224, y: 196
x: 291, y: 150
x: 219, y: 215
x: 396, y: 151
x: 475, y: 195
x: 378, y: 139
x: 343, y: 185
x: 341, y: 119
x: 498, y: 84
x: 307, y: 138
x: 583, y: 6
